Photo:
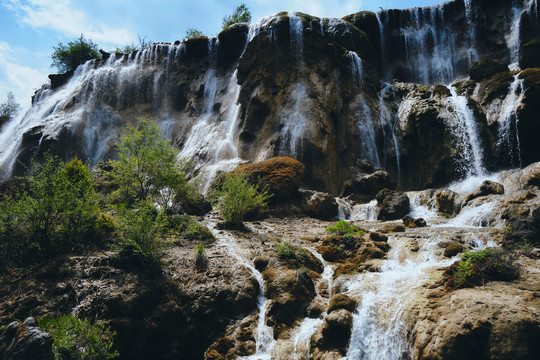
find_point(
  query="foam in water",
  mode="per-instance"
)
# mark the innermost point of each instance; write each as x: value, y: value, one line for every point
x: 419, y: 209
x: 471, y: 183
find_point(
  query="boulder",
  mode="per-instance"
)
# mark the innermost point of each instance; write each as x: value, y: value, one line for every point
x: 392, y: 204
x: 281, y: 175
x: 25, y: 341
x: 529, y: 55
x: 487, y: 188
x: 364, y: 188
x: 261, y: 262
x: 523, y: 230
x: 453, y: 249
x: 290, y: 294
x: 342, y: 301
x: 448, y: 202
x: 485, y: 68
x: 411, y: 222
x: 319, y: 205
x: 335, y: 333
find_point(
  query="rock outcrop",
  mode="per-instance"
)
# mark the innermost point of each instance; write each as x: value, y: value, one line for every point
x: 25, y: 341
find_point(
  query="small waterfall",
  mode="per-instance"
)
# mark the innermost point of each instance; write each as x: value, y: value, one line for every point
x: 364, y: 116
x: 302, y: 336
x: 513, y: 39
x: 434, y: 54
x: 295, y: 126
x: 344, y: 209
x: 508, y: 134
x: 467, y: 136
x: 389, y: 123
x: 382, y: 321
x: 297, y: 34
x: 364, y: 212
x: 264, y: 337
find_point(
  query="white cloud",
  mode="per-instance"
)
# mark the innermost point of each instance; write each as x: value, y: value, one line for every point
x: 21, y: 80
x: 63, y: 17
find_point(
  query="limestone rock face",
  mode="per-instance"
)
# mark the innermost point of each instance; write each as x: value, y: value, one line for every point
x: 24, y: 341
x: 480, y: 324
x: 480, y: 70
x: 334, y: 334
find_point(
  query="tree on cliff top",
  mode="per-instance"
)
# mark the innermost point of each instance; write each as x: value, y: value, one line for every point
x: 68, y: 57
x: 241, y: 14
x: 9, y: 109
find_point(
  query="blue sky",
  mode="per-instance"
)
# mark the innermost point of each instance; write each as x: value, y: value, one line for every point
x: 30, y: 28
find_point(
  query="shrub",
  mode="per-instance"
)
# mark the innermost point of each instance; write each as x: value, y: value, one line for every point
x: 195, y: 230
x: 241, y: 14
x: 201, y: 260
x: 68, y: 57
x: 238, y: 197
x: 54, y: 212
x: 294, y: 255
x: 141, y: 228
x: 79, y: 338
x: 193, y: 32
x: 143, y: 45
x: 343, y: 227
x: 477, y: 267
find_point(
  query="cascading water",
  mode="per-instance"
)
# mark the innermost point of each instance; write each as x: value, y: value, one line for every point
x: 432, y: 50
x: 381, y: 323
x: 466, y: 134
x: 508, y: 134
x: 388, y: 123
x: 366, y: 124
x: 513, y: 39
x: 295, y: 124
x: 264, y: 337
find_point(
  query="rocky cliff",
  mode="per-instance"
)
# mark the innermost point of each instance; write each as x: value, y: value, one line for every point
x: 323, y: 91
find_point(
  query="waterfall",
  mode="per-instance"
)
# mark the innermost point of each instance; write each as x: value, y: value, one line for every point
x: 297, y: 34
x: 389, y: 123
x: 508, y: 134
x: 513, y: 39
x: 467, y: 137
x: 364, y: 116
x: 295, y: 125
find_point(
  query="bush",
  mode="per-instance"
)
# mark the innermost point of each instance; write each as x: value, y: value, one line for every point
x: 240, y: 15
x: 68, y: 57
x: 289, y: 253
x: 79, y: 339
x: 140, y: 229
x: 192, y: 32
x: 477, y: 267
x: 54, y: 212
x: 238, y: 197
x: 195, y: 230
x: 143, y: 45
x: 201, y: 260
x: 343, y: 227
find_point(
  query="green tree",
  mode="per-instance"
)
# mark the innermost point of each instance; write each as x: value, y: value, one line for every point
x: 68, y: 57
x: 238, y: 197
x: 193, y: 32
x: 148, y: 168
x: 9, y: 109
x: 240, y: 15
